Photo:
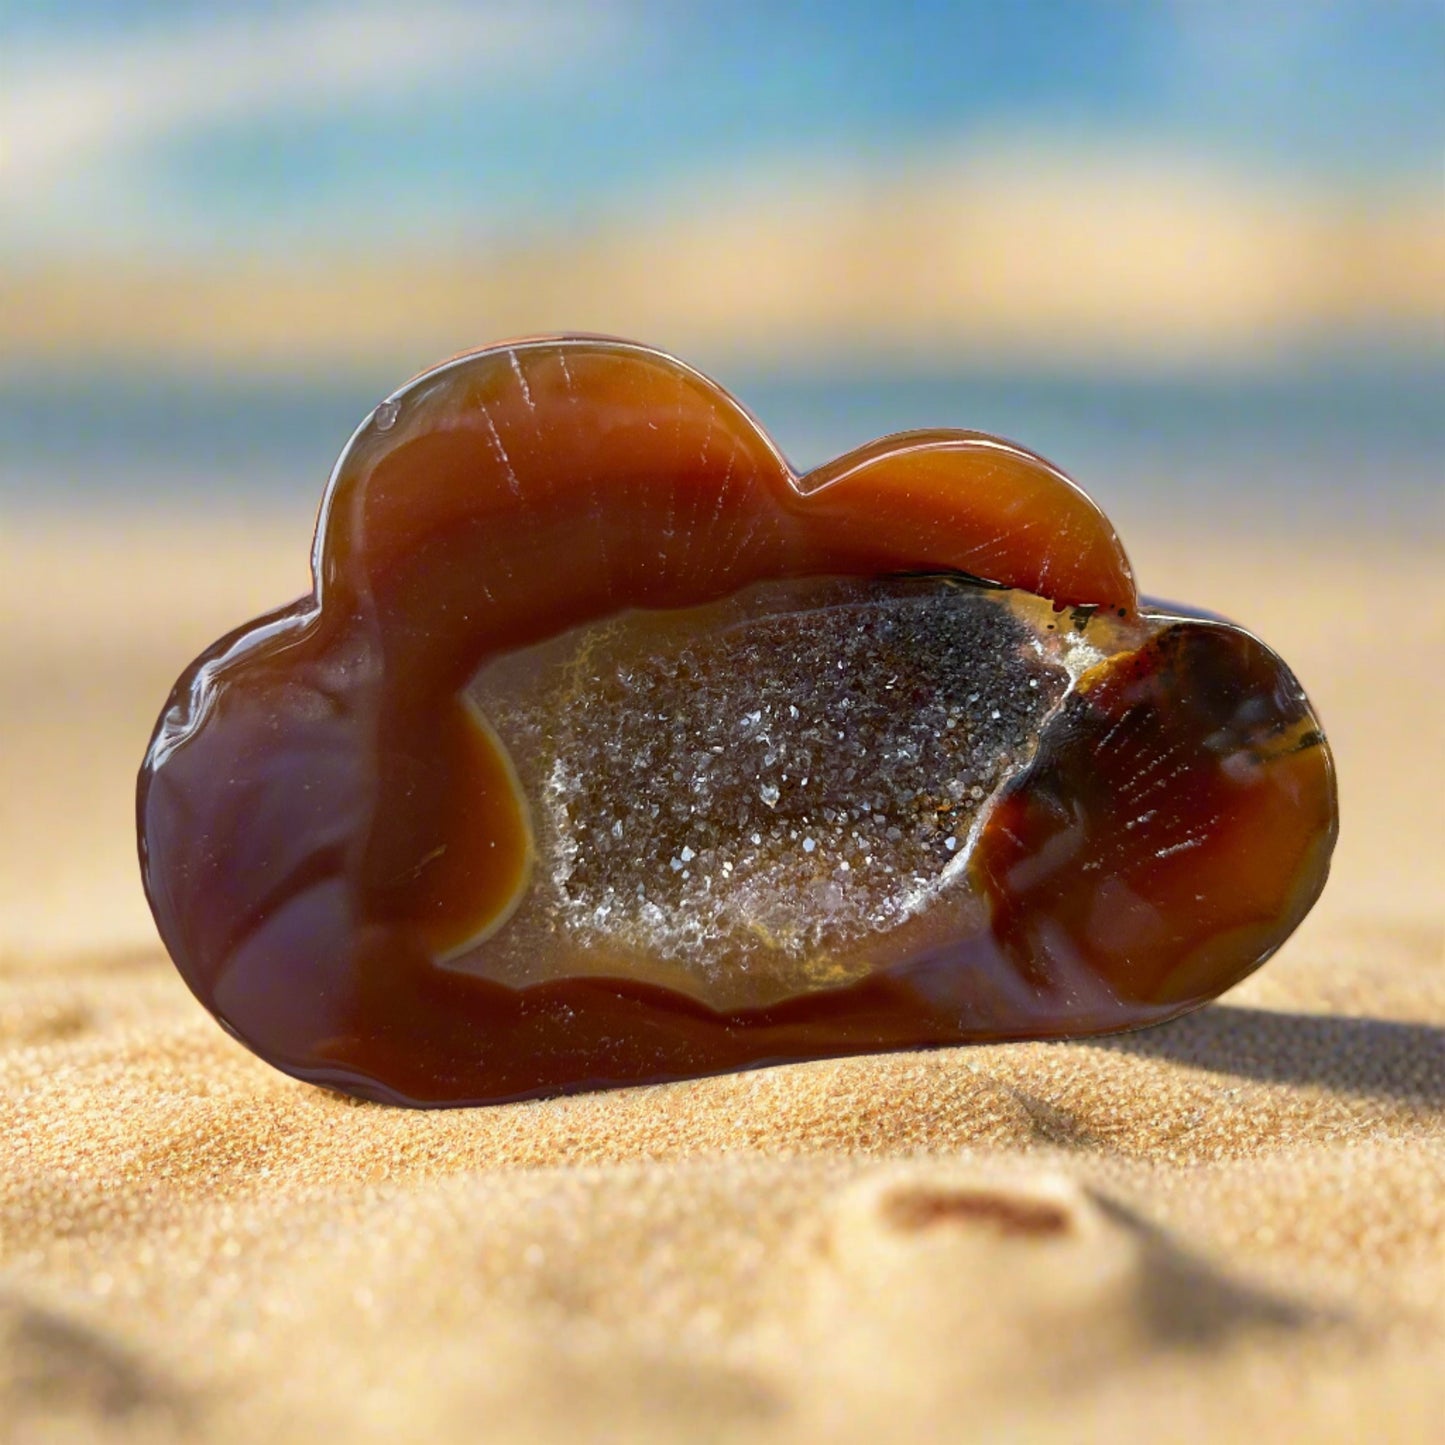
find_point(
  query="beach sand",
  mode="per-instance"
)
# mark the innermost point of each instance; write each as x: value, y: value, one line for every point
x: 1231, y: 1225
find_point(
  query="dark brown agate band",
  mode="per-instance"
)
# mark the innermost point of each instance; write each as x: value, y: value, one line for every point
x: 333, y: 838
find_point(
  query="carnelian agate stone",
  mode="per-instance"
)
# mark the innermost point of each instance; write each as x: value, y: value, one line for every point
x: 610, y: 750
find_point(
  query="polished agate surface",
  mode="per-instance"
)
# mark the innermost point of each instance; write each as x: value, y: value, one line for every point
x: 610, y: 750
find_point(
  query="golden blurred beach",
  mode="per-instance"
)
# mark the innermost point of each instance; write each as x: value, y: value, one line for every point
x: 1052, y: 259
x: 1233, y: 1222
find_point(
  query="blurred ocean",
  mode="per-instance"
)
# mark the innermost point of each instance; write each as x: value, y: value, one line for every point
x: 1193, y: 253
x: 1345, y: 441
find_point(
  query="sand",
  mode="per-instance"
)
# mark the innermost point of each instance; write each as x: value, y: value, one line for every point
x: 1231, y: 1225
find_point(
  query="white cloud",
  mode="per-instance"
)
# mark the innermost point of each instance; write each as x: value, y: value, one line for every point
x: 63, y: 110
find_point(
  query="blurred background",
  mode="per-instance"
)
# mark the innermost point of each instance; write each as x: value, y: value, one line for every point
x: 1193, y: 250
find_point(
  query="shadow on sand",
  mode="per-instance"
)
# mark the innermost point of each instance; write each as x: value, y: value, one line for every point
x: 1379, y: 1057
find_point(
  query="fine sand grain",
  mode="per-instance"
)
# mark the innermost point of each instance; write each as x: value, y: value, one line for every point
x: 1230, y: 1226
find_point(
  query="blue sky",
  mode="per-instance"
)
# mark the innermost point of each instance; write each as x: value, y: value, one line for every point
x: 163, y: 125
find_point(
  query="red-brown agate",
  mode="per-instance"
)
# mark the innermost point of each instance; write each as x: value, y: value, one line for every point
x: 587, y: 546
